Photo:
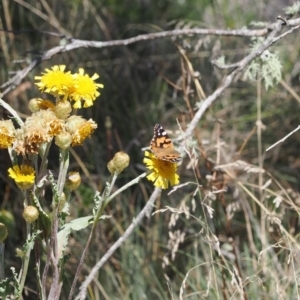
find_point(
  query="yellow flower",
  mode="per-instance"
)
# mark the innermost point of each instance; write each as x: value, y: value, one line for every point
x: 162, y: 171
x: 23, y: 175
x: 85, y: 89
x: 7, y: 134
x: 55, y: 81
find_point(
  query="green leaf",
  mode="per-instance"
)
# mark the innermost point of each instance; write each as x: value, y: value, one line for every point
x: 291, y: 10
x: 6, y: 288
x: 16, y: 283
x: 77, y: 224
x: 54, y: 189
x: 98, y: 201
x: 268, y: 66
x: 30, y: 242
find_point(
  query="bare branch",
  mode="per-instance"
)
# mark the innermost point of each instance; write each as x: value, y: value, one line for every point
x: 283, y: 139
x: 75, y: 44
x: 240, y: 66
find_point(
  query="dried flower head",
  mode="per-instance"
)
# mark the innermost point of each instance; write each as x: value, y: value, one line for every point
x: 73, y: 123
x: 80, y: 129
x: 7, y: 134
x: 35, y: 133
x: 85, y: 131
x: 54, y: 125
x: 19, y: 143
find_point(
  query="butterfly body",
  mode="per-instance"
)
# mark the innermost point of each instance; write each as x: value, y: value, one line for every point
x: 162, y: 147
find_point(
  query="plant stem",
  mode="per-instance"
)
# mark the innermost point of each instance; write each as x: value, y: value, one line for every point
x: 44, y: 162
x: 106, y: 199
x: 63, y: 169
x: 102, y: 205
x: 117, y: 244
x: 126, y: 186
x: 25, y: 260
x: 2, y: 250
x: 53, y: 247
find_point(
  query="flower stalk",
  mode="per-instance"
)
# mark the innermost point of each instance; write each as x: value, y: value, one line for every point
x: 25, y: 260
x: 101, y: 208
x: 103, y: 203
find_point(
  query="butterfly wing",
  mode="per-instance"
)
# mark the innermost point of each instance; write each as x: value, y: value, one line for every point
x: 162, y: 146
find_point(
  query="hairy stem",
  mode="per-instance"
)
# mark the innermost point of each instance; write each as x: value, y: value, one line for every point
x: 25, y: 260
x: 53, y: 247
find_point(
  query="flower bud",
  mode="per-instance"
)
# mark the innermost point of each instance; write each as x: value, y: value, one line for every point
x: 30, y: 214
x: 23, y: 186
x: 63, y: 140
x: 111, y: 167
x: 73, y: 181
x: 80, y: 129
x: 73, y: 123
x: 7, y: 134
x: 118, y: 163
x: 34, y: 104
x: 7, y: 218
x: 3, y: 232
x: 37, y: 104
x: 63, y: 109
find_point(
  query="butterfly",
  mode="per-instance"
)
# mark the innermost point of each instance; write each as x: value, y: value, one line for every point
x: 162, y: 147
